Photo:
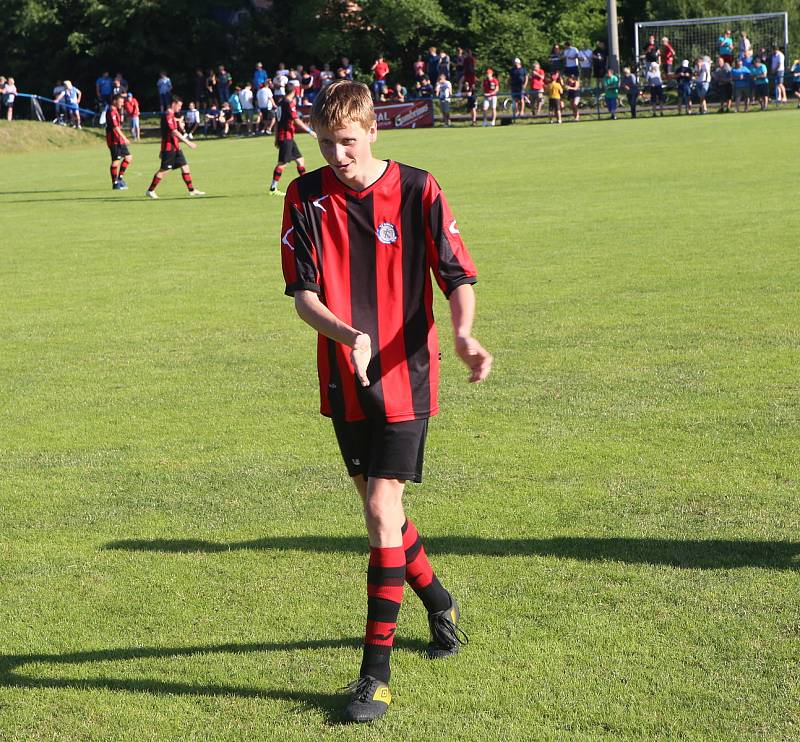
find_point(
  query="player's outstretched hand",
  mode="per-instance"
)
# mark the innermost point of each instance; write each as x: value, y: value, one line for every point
x: 190, y: 144
x: 476, y: 358
x: 361, y: 356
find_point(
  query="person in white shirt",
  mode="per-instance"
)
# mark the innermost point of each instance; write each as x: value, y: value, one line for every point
x: 777, y: 66
x: 745, y: 47
x: 279, y: 83
x: 325, y: 77
x: 9, y: 96
x: 656, y: 87
x: 586, y: 66
x: 248, y: 109
x: 266, y: 108
x: 702, y: 79
x: 572, y: 60
x: 444, y: 91
x: 191, y: 120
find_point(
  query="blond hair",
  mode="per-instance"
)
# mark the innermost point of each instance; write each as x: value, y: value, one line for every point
x: 340, y: 103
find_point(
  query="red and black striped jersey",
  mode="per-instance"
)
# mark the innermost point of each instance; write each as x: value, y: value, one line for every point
x: 170, y: 142
x: 287, y: 115
x: 113, y: 120
x: 370, y: 254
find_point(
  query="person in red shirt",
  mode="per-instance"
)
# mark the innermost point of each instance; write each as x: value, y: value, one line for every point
x: 117, y: 143
x: 359, y: 242
x: 469, y: 69
x: 668, y: 55
x: 379, y: 71
x: 132, y: 112
x: 171, y: 155
x: 491, y: 87
x: 285, y: 129
x: 537, y: 88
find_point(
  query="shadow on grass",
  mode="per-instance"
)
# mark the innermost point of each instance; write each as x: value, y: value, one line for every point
x: 330, y: 704
x: 688, y: 554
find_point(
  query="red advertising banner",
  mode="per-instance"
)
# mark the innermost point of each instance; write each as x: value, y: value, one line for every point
x: 414, y: 114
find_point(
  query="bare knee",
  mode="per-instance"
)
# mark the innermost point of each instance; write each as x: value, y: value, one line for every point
x: 383, y: 511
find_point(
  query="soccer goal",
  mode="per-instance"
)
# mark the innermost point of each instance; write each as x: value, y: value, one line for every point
x: 696, y: 37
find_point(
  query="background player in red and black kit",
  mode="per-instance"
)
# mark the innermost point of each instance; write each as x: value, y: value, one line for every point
x: 360, y: 240
x: 288, y: 119
x: 117, y: 143
x: 171, y: 155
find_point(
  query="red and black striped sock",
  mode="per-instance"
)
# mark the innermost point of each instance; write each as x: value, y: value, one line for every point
x: 114, y: 175
x: 187, y: 178
x: 301, y: 170
x: 154, y: 183
x: 276, y: 174
x: 123, y: 166
x: 385, y: 578
x: 420, y: 574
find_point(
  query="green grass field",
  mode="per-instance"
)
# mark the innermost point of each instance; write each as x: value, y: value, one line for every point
x: 616, y: 508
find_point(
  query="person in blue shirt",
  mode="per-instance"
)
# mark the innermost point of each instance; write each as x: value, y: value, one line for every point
x: 259, y: 76
x: 164, y: 85
x: 236, y: 109
x: 104, y: 87
x: 740, y: 76
x: 761, y: 83
x: 796, y: 79
x: 725, y: 46
x: 684, y: 75
x: 518, y: 81
x: 424, y: 88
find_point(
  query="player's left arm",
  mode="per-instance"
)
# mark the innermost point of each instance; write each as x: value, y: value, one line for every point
x: 185, y: 139
x: 455, y: 273
x: 462, y: 313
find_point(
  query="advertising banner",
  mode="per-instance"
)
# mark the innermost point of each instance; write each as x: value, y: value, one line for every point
x: 414, y: 114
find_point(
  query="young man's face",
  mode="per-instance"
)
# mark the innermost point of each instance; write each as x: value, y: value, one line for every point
x: 347, y: 150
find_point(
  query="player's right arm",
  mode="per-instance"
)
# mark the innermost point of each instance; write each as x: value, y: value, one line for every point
x: 301, y: 271
x: 314, y: 313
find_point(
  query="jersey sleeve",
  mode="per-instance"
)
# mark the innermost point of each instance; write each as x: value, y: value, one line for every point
x: 298, y: 252
x: 448, y: 257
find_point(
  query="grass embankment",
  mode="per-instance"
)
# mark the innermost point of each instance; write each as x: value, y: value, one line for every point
x: 32, y: 136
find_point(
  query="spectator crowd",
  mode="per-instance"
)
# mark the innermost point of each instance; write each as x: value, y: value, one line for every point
x: 739, y: 79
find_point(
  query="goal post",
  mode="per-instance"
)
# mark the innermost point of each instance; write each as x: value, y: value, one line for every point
x: 696, y: 37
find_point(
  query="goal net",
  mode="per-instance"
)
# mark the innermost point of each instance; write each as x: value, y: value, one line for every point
x: 696, y: 37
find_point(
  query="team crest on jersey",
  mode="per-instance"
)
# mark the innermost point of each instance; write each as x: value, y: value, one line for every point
x: 387, y: 233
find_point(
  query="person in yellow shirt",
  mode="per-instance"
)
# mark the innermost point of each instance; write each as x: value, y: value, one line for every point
x: 554, y: 90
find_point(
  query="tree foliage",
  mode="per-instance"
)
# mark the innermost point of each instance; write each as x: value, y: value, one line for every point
x: 45, y: 40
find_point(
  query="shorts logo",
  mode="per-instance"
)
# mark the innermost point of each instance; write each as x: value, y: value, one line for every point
x: 356, y: 462
x: 387, y: 233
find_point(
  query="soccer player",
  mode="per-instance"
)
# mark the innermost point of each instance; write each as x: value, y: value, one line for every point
x: 171, y: 155
x: 288, y: 151
x: 490, y: 89
x: 360, y: 240
x: 117, y: 143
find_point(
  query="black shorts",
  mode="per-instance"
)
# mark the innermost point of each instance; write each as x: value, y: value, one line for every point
x: 554, y: 104
x: 172, y: 160
x: 288, y: 151
x: 118, y: 151
x: 374, y: 448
